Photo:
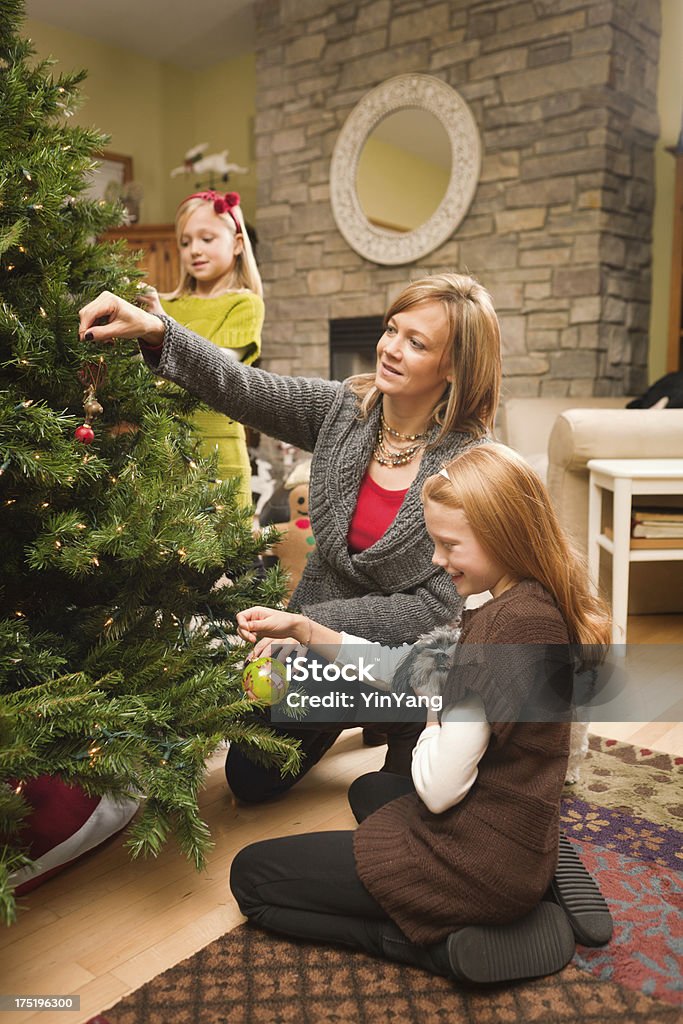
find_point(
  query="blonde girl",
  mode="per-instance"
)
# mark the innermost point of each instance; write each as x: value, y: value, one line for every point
x: 219, y: 295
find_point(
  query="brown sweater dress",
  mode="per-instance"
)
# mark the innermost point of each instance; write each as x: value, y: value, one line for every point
x: 490, y: 858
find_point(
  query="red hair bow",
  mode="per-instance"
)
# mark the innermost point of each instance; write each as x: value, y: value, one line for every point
x: 224, y: 204
x: 221, y: 203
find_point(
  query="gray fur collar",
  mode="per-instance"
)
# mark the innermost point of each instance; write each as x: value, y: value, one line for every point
x: 424, y: 669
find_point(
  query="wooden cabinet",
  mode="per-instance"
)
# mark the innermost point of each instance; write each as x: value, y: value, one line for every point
x: 157, y: 242
x: 675, y: 347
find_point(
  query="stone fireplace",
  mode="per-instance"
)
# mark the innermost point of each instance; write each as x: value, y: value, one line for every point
x: 563, y: 93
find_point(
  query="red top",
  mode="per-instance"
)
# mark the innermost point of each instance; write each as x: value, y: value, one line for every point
x: 376, y: 510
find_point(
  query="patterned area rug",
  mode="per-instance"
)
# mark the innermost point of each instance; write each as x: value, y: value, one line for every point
x: 625, y: 818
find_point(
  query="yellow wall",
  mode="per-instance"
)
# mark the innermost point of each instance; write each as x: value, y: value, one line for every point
x: 397, y: 188
x: 154, y: 112
x: 670, y: 105
x: 123, y: 96
x: 224, y: 104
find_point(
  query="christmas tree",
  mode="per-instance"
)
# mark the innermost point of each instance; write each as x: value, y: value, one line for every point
x: 123, y: 563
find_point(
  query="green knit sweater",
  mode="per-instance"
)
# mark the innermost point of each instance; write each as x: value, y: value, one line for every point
x: 230, y: 321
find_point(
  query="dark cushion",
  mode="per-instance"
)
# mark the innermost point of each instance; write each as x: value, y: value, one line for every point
x: 669, y: 386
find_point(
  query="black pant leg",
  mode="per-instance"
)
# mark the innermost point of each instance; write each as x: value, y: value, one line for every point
x: 401, y: 740
x: 307, y: 887
x: 370, y: 792
x: 254, y: 783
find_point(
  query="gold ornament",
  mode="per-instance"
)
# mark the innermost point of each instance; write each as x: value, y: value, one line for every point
x: 90, y: 404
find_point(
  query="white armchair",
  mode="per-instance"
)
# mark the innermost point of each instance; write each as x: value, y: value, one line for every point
x: 581, y: 434
x: 559, y: 435
x: 526, y: 423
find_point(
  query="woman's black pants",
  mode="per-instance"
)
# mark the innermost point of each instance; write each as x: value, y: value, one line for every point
x: 255, y: 783
x: 307, y: 886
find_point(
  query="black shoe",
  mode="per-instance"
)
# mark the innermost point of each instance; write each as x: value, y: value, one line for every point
x: 575, y: 890
x: 540, y: 943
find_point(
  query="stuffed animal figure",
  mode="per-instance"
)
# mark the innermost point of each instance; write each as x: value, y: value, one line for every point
x: 297, y: 542
x: 424, y: 669
x: 262, y: 485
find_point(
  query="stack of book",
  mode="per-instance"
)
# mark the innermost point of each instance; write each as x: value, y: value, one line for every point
x: 659, y: 527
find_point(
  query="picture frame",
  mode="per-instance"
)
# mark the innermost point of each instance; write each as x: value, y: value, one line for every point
x: 111, y: 167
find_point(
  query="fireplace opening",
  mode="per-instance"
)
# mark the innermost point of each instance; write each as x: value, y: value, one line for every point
x: 353, y: 342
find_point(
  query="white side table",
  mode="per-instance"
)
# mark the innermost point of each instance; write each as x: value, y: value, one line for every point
x: 626, y: 477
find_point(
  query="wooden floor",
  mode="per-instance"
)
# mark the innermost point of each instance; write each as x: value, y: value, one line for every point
x: 106, y: 925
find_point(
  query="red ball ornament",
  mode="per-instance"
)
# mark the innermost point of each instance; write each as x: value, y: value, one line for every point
x: 84, y: 434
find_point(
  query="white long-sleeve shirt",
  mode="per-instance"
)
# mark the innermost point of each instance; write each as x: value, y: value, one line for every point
x: 445, y: 759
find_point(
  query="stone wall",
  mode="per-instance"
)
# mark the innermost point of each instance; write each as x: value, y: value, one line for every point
x: 563, y: 92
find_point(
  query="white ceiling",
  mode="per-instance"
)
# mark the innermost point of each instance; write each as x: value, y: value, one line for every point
x: 190, y: 33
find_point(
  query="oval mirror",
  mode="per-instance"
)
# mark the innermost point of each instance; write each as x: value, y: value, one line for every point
x: 404, y: 169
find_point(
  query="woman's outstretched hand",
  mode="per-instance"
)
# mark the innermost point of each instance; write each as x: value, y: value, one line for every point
x: 109, y: 317
x: 262, y: 625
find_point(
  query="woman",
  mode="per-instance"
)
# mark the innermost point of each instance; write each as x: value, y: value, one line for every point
x: 375, y: 438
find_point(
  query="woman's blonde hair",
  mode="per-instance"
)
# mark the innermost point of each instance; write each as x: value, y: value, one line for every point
x: 245, y: 273
x: 469, y: 404
x: 510, y: 512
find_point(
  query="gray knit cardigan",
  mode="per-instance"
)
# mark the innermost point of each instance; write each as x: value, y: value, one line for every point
x: 391, y: 592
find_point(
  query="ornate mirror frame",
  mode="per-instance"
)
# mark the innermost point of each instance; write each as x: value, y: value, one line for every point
x: 439, y: 99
